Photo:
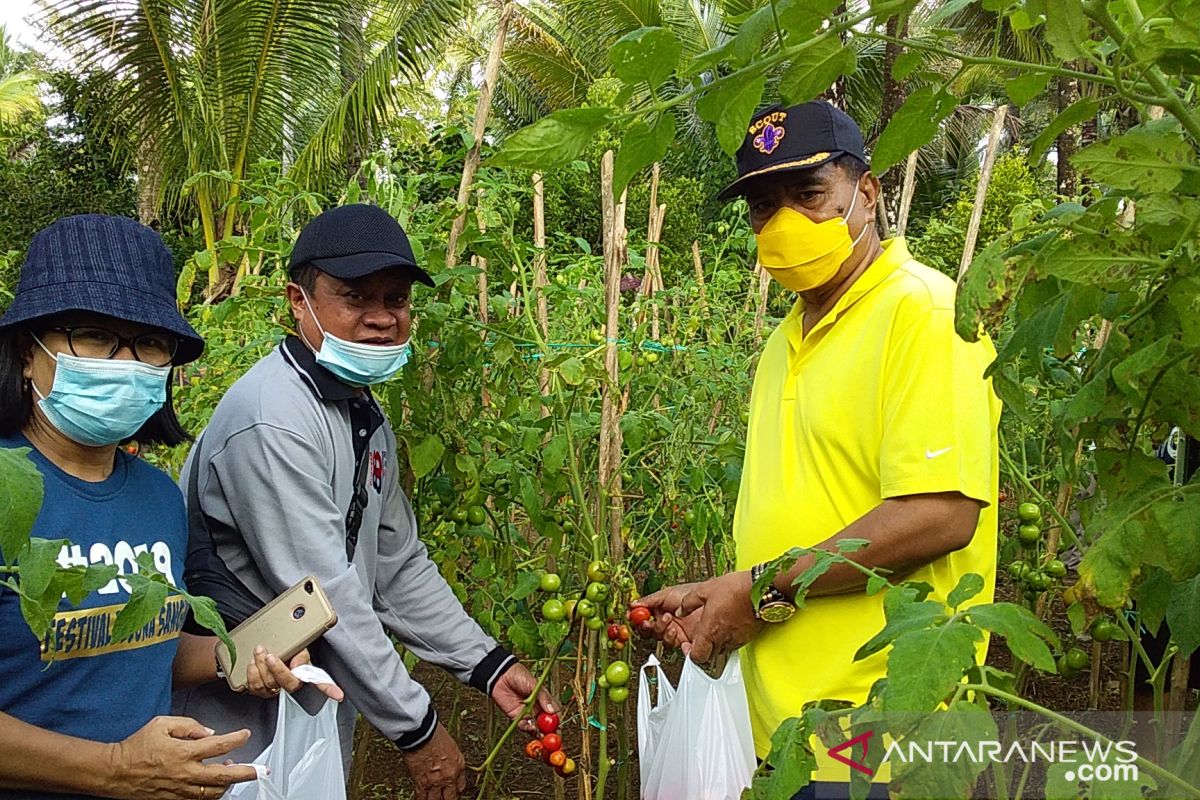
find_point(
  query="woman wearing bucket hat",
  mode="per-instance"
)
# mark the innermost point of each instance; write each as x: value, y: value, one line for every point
x: 86, y: 352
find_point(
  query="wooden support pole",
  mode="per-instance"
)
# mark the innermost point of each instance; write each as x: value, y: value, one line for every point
x: 985, y: 177
x: 539, y: 273
x: 760, y: 315
x: 610, y: 424
x: 482, y: 109
x: 906, y: 193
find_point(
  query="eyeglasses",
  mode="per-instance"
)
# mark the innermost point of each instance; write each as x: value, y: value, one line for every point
x: 156, y: 349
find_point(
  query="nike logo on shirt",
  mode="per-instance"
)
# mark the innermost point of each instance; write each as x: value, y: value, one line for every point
x: 936, y: 453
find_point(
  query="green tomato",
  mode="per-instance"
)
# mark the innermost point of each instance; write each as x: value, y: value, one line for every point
x: 618, y: 694
x: 602, y: 681
x: 1029, y: 534
x: 617, y: 673
x: 597, y: 571
x: 1017, y: 569
x: 1029, y: 512
x: 1038, y: 580
x: 593, y: 623
x: 568, y: 526
x: 476, y: 515
x: 586, y: 609
x: 1104, y: 630
x: 1064, y: 668
x: 1076, y: 658
x: 1055, y: 568
x: 553, y: 610
x: 597, y: 592
x: 459, y: 514
x: 550, y: 582
x: 689, y: 517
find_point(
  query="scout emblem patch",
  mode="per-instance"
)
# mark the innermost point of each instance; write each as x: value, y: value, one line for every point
x: 769, y: 138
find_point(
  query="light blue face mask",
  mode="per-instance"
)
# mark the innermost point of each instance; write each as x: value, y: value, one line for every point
x: 101, y: 401
x: 354, y: 363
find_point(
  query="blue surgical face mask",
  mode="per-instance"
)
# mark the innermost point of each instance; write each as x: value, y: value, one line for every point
x: 354, y: 363
x: 101, y: 401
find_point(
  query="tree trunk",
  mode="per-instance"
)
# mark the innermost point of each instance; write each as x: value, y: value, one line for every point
x: 836, y: 93
x: 351, y: 63
x: 1066, y: 92
x: 490, y: 74
x: 894, y: 94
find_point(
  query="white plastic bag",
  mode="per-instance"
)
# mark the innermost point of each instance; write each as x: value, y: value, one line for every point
x: 695, y: 742
x: 304, y: 760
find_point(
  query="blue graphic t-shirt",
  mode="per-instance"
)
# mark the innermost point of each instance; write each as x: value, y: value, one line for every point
x: 77, y: 681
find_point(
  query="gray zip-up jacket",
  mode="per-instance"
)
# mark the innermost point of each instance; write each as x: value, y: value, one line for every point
x: 277, y: 467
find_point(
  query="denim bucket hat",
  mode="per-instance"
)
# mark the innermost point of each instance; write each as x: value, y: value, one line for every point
x: 110, y: 265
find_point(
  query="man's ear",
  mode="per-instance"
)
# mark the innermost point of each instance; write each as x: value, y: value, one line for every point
x: 869, y: 185
x: 295, y: 296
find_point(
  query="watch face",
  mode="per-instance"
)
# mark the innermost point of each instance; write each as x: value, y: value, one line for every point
x: 776, y: 612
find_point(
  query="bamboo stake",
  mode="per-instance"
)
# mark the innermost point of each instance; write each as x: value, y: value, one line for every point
x: 539, y: 272
x: 482, y: 263
x: 760, y: 315
x: 610, y: 428
x: 906, y: 194
x: 482, y: 109
x: 985, y: 177
x: 699, y: 265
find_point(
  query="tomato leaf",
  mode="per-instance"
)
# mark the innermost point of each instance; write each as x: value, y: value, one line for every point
x: 1147, y: 159
x: 1024, y: 88
x: 815, y: 69
x: 425, y: 457
x: 1026, y: 635
x: 968, y: 586
x: 729, y: 106
x: 962, y: 723
x: 1066, y: 28
x: 647, y: 54
x: 1182, y: 618
x: 145, y: 600
x: 924, y: 666
x: 914, y: 124
x: 1071, y: 116
x: 553, y: 141
x: 572, y: 371
x: 20, y: 500
x: 642, y: 146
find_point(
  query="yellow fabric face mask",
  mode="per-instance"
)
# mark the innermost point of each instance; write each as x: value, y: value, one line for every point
x: 802, y: 254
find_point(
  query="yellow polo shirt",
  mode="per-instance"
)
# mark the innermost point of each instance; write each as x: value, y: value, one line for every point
x: 881, y: 399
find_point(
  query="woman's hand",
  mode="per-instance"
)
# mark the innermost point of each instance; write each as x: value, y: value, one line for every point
x: 266, y: 675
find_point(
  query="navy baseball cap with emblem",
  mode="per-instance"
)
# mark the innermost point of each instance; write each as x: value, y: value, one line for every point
x: 781, y: 140
x: 351, y: 241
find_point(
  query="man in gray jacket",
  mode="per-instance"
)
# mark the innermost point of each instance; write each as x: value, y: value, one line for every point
x: 296, y: 474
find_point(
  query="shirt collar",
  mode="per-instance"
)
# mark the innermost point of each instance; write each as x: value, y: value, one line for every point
x: 323, y: 383
x: 895, y: 254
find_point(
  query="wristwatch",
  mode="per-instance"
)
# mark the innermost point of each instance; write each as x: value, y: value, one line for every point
x: 774, y: 605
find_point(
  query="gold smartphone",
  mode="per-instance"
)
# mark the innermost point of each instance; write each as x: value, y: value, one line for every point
x: 284, y: 626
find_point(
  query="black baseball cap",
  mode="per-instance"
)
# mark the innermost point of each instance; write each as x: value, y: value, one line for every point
x: 355, y: 240
x: 781, y: 140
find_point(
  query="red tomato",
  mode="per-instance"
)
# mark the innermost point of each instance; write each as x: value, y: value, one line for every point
x: 638, y: 615
x: 534, y: 749
x: 551, y: 742
x: 547, y: 723
x: 614, y: 632
x: 623, y: 633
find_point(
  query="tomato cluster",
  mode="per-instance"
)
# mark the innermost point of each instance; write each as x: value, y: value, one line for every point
x: 549, y: 748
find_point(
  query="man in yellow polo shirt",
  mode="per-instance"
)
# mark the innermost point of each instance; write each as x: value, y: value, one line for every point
x: 869, y: 419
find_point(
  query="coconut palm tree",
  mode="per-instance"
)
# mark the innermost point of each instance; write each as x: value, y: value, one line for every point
x: 209, y: 88
x: 19, y: 84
